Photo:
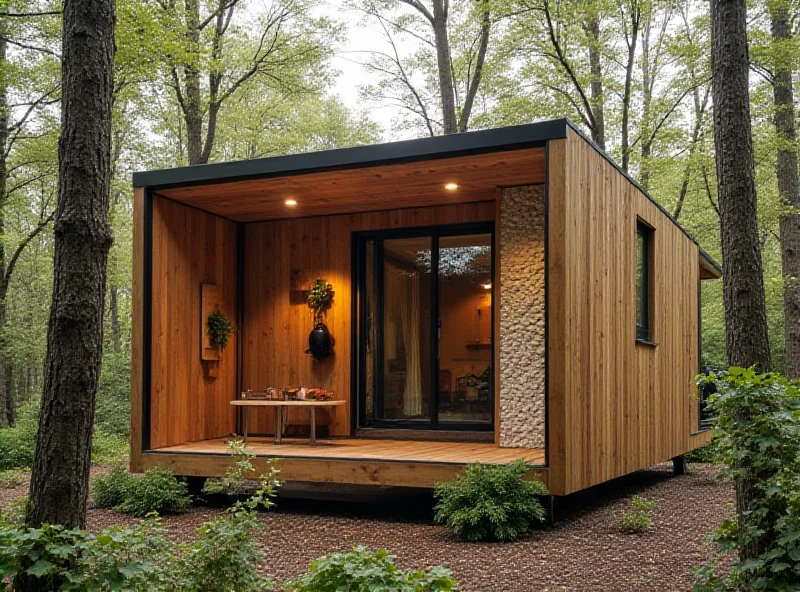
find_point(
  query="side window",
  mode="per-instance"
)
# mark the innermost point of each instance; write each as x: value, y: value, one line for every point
x: 644, y: 246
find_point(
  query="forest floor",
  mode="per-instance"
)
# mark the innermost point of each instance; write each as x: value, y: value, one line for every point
x: 584, y: 551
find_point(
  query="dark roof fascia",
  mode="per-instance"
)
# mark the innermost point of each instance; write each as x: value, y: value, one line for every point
x: 475, y: 142
x: 706, y: 257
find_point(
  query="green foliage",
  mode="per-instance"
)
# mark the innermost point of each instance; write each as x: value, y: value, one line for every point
x: 638, y: 518
x: 488, y: 503
x: 705, y: 454
x: 362, y: 570
x: 219, y: 330
x: 17, y: 444
x: 114, y: 488
x: 236, y: 475
x: 112, y: 414
x: 758, y: 434
x: 156, y: 491
x: 320, y: 297
x: 140, y: 558
x: 11, y: 478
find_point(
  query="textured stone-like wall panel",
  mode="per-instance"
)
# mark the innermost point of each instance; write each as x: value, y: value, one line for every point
x: 522, y: 302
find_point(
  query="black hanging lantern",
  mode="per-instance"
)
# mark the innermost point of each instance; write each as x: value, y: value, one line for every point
x: 320, y: 340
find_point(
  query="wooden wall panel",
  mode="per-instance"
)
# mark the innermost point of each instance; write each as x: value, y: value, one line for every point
x: 275, y: 331
x: 616, y: 405
x: 190, y: 247
x: 137, y: 330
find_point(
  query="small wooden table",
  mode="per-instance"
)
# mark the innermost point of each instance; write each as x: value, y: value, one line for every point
x: 280, y: 407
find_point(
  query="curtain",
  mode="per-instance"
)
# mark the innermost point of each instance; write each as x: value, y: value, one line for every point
x: 409, y: 322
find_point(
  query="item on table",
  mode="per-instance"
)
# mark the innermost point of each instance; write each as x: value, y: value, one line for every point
x: 319, y: 394
x: 301, y: 393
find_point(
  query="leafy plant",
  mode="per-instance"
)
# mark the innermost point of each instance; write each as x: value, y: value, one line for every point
x: 637, y: 519
x: 237, y: 474
x: 114, y: 488
x: 220, y: 330
x: 362, y: 570
x: 11, y: 478
x: 491, y: 502
x: 705, y: 454
x: 320, y: 297
x: 758, y: 433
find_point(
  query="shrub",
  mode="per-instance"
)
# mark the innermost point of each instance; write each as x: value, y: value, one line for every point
x: 17, y: 443
x: 638, y: 519
x: 361, y: 570
x: 114, y: 488
x: 112, y: 415
x: 490, y: 502
x: 757, y: 428
x: 11, y: 478
x: 108, y: 448
x: 157, y: 491
x: 705, y: 454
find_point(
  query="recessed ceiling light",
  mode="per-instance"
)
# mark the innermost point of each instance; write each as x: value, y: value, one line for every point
x: 290, y: 202
x: 487, y: 286
x: 451, y: 186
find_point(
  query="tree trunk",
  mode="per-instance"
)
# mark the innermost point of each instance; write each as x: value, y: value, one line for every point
x: 113, y: 310
x: 626, y: 98
x: 192, y: 108
x: 60, y: 478
x: 786, y: 171
x: 445, y: 67
x: 480, y: 59
x: 596, y: 99
x: 647, y: 100
x: 743, y: 281
x: 747, y: 338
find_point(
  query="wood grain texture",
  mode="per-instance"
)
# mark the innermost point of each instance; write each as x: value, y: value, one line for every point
x: 275, y: 330
x: 416, y: 184
x: 190, y: 248
x: 347, y: 461
x: 616, y: 405
x: 137, y: 329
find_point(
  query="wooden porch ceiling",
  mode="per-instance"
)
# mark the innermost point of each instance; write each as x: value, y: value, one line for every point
x: 403, y: 185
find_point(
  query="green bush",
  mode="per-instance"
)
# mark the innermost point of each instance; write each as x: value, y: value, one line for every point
x: 114, y: 488
x: 706, y: 454
x: 11, y: 478
x: 17, y: 444
x: 757, y: 429
x: 140, y: 558
x: 157, y: 491
x: 488, y: 503
x: 361, y: 570
x: 637, y: 519
x: 112, y: 415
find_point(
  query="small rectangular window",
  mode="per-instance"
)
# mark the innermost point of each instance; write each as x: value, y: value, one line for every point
x: 644, y: 242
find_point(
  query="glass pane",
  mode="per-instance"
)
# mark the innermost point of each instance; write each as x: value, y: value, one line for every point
x: 404, y: 385
x: 640, y: 279
x: 464, y: 388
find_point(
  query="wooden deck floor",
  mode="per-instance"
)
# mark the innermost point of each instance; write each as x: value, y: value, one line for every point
x: 372, y: 450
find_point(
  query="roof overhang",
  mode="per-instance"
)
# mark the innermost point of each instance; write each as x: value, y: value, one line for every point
x: 709, y: 269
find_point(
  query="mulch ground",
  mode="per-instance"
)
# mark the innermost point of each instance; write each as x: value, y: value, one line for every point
x: 584, y: 551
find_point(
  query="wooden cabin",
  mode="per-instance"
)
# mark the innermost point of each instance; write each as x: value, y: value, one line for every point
x: 499, y: 294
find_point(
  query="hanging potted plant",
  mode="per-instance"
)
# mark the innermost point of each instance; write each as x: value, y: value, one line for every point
x: 320, y: 341
x: 220, y: 330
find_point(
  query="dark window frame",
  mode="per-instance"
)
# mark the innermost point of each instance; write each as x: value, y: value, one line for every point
x: 644, y: 298
x: 436, y: 232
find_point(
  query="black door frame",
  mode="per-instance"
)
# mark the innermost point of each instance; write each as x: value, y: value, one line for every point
x: 359, y: 328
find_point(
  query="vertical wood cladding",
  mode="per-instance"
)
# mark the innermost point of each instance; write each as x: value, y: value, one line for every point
x: 276, y: 325
x: 190, y: 247
x: 522, y: 321
x: 616, y: 405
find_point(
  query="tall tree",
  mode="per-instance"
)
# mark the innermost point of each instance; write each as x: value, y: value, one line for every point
x: 448, y: 67
x: 747, y: 336
x: 60, y: 477
x: 17, y: 174
x: 786, y: 171
x: 214, y: 59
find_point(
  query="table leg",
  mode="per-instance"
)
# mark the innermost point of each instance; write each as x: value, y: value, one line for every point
x: 244, y: 421
x: 279, y: 430
x: 313, y: 427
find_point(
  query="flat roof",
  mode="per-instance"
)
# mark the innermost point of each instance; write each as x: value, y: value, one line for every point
x: 422, y: 149
x: 474, y: 142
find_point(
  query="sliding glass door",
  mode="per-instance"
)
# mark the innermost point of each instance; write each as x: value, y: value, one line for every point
x: 425, y: 328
